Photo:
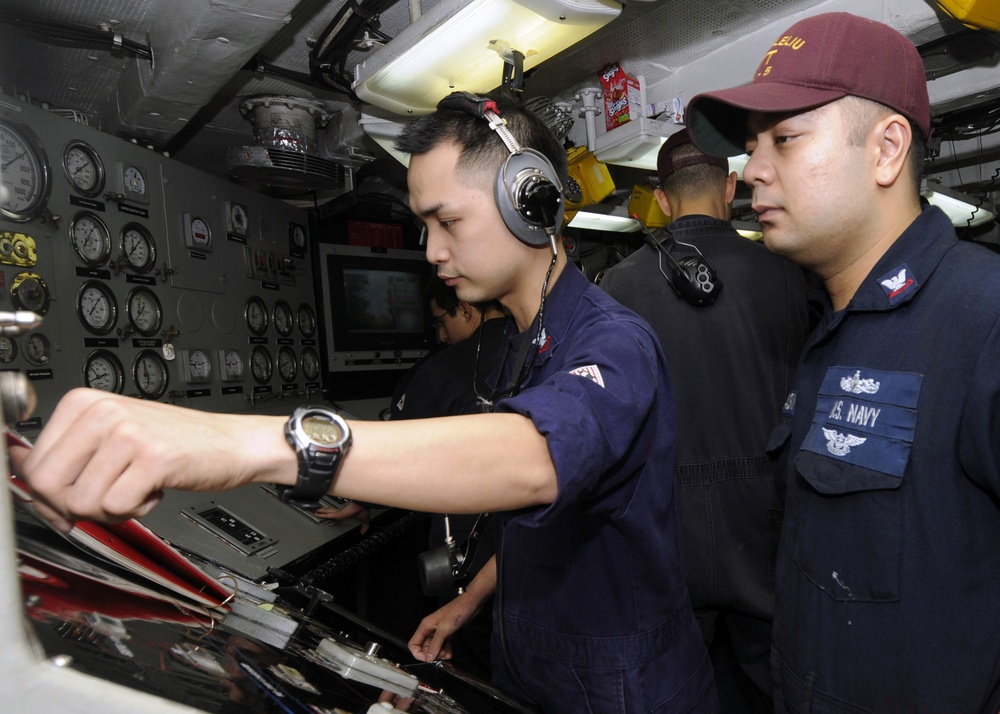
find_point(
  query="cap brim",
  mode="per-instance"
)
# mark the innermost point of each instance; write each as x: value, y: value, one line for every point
x: 718, y: 120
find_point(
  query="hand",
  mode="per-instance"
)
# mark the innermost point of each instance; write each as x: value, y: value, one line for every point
x: 432, y: 639
x: 351, y: 510
x: 107, y: 457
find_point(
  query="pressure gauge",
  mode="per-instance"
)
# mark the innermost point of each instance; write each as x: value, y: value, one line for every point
x: 236, y: 219
x: 261, y: 366
x: 83, y: 168
x: 24, y: 174
x: 256, y: 314
x: 8, y: 349
x: 134, y: 186
x: 298, y: 236
x: 143, y: 310
x: 288, y: 365
x: 149, y: 371
x: 197, y: 233
x: 96, y: 307
x: 310, y: 364
x: 90, y: 239
x: 29, y: 292
x: 283, y: 320
x: 230, y: 366
x: 37, y: 348
x: 196, y: 365
x: 307, y: 320
x: 103, y: 371
x: 138, y: 248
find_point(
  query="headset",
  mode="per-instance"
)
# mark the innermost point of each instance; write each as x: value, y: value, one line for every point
x: 448, y: 568
x: 692, y: 277
x: 527, y: 190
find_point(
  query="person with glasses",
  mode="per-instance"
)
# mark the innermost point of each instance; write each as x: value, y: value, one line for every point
x: 446, y: 382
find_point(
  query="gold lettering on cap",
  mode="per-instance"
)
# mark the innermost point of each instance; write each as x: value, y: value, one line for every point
x: 796, y: 43
x: 765, y: 64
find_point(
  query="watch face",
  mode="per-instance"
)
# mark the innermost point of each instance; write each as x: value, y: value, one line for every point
x: 322, y: 430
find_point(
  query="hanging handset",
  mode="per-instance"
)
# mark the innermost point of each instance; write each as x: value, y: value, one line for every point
x: 690, y: 274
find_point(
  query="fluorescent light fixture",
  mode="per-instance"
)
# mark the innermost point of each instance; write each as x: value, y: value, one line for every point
x: 748, y: 229
x: 959, y: 207
x: 457, y: 45
x: 384, y: 132
x: 737, y: 164
x: 615, y: 221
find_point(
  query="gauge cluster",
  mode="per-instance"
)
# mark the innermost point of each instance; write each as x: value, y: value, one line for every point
x: 154, y: 280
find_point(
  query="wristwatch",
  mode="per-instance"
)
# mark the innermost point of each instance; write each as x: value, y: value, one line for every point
x: 320, y: 438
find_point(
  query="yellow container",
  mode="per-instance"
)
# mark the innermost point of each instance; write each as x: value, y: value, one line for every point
x: 589, y: 180
x: 642, y: 204
x: 977, y: 14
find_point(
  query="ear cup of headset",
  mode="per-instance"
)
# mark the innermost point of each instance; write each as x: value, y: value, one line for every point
x: 529, y: 196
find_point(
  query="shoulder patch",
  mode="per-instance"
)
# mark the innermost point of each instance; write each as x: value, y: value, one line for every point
x: 591, y: 372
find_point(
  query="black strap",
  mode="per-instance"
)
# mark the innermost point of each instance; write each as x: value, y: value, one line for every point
x: 469, y: 103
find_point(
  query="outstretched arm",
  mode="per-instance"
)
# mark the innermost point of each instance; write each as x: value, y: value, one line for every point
x: 108, y: 457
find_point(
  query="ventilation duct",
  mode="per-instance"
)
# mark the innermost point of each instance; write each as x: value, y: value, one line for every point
x: 285, y: 154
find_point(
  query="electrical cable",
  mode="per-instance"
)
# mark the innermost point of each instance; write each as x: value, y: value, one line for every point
x: 78, y: 34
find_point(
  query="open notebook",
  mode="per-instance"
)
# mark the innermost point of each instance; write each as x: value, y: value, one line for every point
x: 134, y: 548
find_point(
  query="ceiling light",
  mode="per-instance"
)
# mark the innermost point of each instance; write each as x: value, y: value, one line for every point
x: 959, y: 207
x: 748, y: 229
x: 385, y: 132
x: 604, y: 218
x: 458, y: 45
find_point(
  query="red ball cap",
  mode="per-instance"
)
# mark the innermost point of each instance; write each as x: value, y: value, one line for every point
x: 817, y: 60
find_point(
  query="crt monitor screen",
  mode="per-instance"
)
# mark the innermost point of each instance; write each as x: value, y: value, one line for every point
x: 374, y: 307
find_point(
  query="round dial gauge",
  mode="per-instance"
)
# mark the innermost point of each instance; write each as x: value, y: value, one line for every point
x: 238, y: 221
x: 8, y: 349
x: 134, y: 180
x: 138, y: 248
x: 298, y: 236
x: 201, y: 234
x: 29, y: 292
x: 198, y: 367
x: 256, y: 314
x: 283, y: 320
x: 83, y: 168
x: 103, y: 371
x: 37, y: 348
x: 231, y: 363
x: 261, y: 366
x: 90, y: 238
x: 307, y: 320
x: 96, y: 307
x: 24, y: 174
x: 310, y: 364
x: 143, y: 310
x: 149, y: 371
x: 288, y: 365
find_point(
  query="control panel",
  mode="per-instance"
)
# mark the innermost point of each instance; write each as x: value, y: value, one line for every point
x: 160, y: 282
x: 154, y: 279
